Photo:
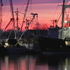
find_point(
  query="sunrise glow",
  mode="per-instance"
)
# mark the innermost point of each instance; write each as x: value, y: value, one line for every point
x: 46, y: 10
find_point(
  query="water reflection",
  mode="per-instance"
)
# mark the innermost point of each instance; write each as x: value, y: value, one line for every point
x: 24, y: 62
x: 53, y: 62
x: 35, y: 62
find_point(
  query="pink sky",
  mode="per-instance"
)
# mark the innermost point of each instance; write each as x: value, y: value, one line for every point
x: 46, y: 11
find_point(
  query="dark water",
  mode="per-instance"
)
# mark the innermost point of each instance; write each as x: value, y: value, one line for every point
x: 35, y: 62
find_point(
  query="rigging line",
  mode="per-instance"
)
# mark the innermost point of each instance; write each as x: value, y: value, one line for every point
x: 23, y: 5
x: 55, y: 10
x: 5, y: 7
x: 11, y: 5
x: 10, y: 33
x: 59, y: 16
x: 25, y: 14
x: 19, y: 24
x: 31, y: 4
x: 19, y: 20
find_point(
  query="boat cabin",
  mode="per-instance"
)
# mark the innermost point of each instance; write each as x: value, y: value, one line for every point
x: 53, y: 32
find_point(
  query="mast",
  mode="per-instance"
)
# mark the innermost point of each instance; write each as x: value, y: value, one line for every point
x: 13, y: 16
x: 17, y: 22
x: 17, y: 19
x: 63, y: 9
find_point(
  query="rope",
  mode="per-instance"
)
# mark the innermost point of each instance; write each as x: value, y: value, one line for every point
x: 25, y: 14
x: 55, y: 10
x: 59, y: 16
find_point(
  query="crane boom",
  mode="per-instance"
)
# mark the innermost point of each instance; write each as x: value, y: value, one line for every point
x: 13, y: 17
x: 12, y: 8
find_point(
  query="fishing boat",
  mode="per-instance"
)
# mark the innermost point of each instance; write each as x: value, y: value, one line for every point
x: 58, y: 39
x: 16, y: 45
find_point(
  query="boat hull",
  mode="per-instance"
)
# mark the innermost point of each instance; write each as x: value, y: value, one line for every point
x: 52, y: 45
x: 11, y: 50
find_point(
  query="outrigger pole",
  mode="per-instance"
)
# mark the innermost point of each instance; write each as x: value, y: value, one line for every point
x: 28, y: 25
x: 12, y: 19
x: 6, y: 27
